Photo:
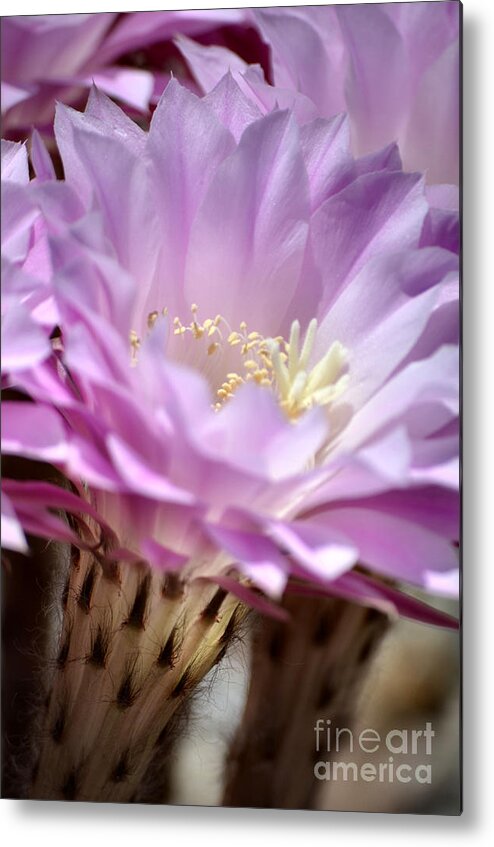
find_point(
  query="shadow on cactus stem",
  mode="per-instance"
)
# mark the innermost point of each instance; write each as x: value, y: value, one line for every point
x: 305, y: 669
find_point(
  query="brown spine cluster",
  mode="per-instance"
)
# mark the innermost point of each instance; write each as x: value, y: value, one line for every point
x: 134, y: 644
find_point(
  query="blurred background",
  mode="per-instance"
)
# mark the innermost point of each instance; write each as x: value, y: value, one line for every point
x: 413, y: 679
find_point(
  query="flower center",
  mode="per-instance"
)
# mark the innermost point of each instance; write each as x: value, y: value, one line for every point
x: 274, y: 363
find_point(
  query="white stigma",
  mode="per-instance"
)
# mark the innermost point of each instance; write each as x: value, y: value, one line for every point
x: 299, y: 388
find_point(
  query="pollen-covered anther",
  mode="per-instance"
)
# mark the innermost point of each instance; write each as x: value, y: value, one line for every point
x: 199, y: 329
x: 152, y: 318
x: 178, y: 327
x: 135, y: 343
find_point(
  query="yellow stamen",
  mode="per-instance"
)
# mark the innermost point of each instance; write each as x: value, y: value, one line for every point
x: 271, y: 363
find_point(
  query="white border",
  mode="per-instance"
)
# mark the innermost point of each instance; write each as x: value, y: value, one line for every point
x: 37, y: 7
x: 127, y: 826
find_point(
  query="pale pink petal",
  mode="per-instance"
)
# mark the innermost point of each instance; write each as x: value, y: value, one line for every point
x: 391, y: 545
x: 447, y: 584
x: 34, y: 431
x: 13, y: 537
x: 14, y: 162
x: 186, y: 144
x: 23, y: 343
x: 40, y: 158
x: 319, y: 550
x: 251, y: 232
x: 208, y: 64
x: 232, y: 107
x: 377, y: 213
